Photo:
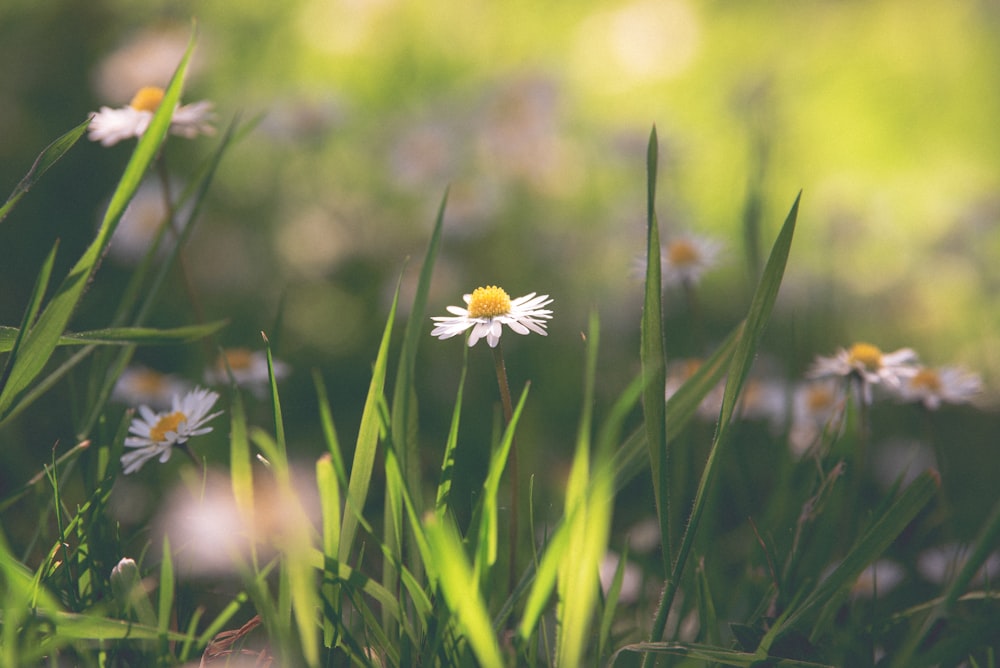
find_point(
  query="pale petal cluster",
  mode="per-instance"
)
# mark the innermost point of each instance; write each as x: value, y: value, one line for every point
x: 112, y: 125
x: 155, y: 434
x: 141, y: 385
x: 934, y: 386
x: 248, y: 368
x: 685, y: 259
x: 525, y: 314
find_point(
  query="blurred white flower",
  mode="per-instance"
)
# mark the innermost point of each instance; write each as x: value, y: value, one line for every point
x: 678, y: 373
x: 141, y: 223
x: 212, y: 535
x: 765, y: 399
x: 685, y: 259
x: 942, y: 563
x: 934, y: 386
x: 110, y: 126
x: 488, y: 309
x: 156, y: 434
x: 249, y: 369
x: 878, y: 579
x: 149, y: 56
x: 868, y: 363
x: 140, y: 385
x: 817, y: 407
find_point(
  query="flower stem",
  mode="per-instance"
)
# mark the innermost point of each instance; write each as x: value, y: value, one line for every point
x: 508, y: 412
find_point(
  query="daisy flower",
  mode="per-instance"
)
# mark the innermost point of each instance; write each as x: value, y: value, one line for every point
x: 869, y: 364
x: 932, y: 386
x: 488, y: 309
x: 817, y: 406
x: 110, y: 126
x: 156, y: 434
x: 685, y: 259
x: 140, y: 385
x: 249, y: 369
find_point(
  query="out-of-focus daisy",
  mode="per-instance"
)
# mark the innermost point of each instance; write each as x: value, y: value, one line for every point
x: 934, y: 386
x: 140, y: 385
x: 816, y: 407
x: 631, y: 578
x: 142, y: 220
x: 155, y: 434
x: 678, y: 373
x: 110, y: 126
x: 146, y: 57
x: 490, y: 308
x: 942, y: 563
x: 878, y: 579
x: 869, y: 364
x: 765, y: 399
x: 685, y: 259
x: 249, y: 369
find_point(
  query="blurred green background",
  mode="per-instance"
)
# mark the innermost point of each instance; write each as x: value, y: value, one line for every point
x: 536, y: 115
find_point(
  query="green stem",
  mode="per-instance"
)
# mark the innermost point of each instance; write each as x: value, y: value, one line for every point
x: 508, y: 412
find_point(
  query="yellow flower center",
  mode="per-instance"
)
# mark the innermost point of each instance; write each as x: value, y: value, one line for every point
x: 147, y: 381
x: 147, y: 99
x: 819, y: 399
x: 926, y: 379
x: 682, y: 252
x: 166, y: 424
x: 238, y: 359
x: 489, y: 302
x: 866, y: 354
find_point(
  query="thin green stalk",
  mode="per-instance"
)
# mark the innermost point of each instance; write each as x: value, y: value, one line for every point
x: 508, y: 411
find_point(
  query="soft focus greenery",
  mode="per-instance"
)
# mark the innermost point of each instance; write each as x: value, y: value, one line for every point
x: 512, y: 137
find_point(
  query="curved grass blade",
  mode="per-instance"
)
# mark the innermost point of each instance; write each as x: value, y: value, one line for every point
x: 653, y: 357
x: 15, y: 338
x: 121, y: 336
x: 48, y: 157
x: 746, y: 348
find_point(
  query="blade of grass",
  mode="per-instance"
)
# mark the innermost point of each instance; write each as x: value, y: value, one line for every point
x: 49, y: 156
x: 329, y: 431
x: 121, y: 335
x: 166, y: 595
x: 653, y: 358
x: 985, y: 545
x: 487, y: 532
x: 875, y: 540
x: 12, y: 340
x: 746, y: 348
x: 368, y: 436
x: 443, y: 497
x: 460, y: 588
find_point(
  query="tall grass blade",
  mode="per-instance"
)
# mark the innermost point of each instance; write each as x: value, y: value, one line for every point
x: 746, y: 348
x: 653, y: 357
x: 329, y: 430
x: 48, y: 157
x: 443, y: 496
x: 11, y: 339
x: 460, y: 588
x: 879, y: 536
x: 166, y: 596
x: 368, y: 436
x: 486, y: 537
x: 121, y: 336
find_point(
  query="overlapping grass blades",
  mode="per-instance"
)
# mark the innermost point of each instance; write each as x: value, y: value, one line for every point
x: 739, y: 367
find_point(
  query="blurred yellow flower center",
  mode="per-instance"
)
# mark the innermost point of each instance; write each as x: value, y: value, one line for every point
x: 819, y: 399
x: 865, y: 353
x: 147, y: 381
x: 147, y: 99
x: 682, y: 252
x: 926, y: 379
x: 165, y: 425
x: 238, y: 359
x: 489, y: 302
